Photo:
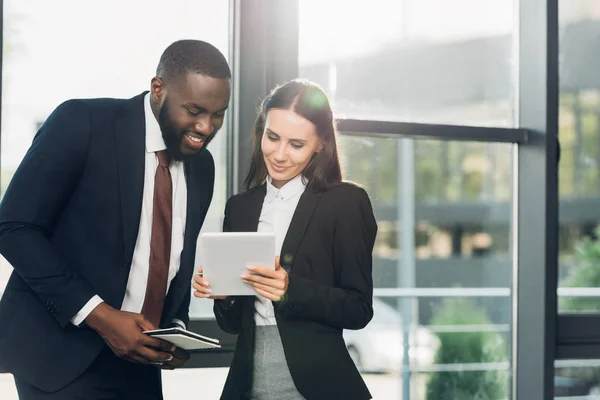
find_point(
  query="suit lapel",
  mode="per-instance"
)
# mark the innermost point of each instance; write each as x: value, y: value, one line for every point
x: 251, y: 214
x: 302, y: 216
x: 130, y: 135
x: 196, y: 203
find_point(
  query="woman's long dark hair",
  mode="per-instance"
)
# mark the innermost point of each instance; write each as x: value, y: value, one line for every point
x: 308, y: 100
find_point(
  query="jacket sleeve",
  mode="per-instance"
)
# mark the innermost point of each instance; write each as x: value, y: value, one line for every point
x: 228, y: 312
x: 183, y: 312
x: 349, y: 305
x: 34, y: 200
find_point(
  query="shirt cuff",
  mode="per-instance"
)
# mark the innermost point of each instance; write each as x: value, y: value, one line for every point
x: 86, y: 310
x: 179, y: 323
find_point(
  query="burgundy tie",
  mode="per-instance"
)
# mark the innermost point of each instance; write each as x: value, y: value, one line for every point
x: 160, y: 241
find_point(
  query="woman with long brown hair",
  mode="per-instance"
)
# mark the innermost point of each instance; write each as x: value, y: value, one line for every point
x: 290, y: 343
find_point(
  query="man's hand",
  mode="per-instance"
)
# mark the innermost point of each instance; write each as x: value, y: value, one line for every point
x: 180, y: 357
x: 123, y: 332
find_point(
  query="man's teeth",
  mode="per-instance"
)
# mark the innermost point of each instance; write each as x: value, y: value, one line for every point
x: 194, y: 138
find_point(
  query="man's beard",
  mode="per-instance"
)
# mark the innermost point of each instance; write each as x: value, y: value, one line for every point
x: 172, y: 136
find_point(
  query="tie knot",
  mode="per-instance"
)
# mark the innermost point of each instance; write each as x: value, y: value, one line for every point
x: 163, y: 158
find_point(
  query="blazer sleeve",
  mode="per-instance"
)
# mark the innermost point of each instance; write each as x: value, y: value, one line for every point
x: 228, y: 312
x: 183, y: 313
x: 39, y: 190
x: 349, y: 305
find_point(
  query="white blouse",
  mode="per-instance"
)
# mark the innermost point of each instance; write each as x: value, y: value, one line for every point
x: 278, y: 209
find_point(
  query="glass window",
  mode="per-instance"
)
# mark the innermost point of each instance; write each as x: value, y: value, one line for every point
x: 113, y: 54
x: 442, y: 266
x: 54, y: 51
x: 413, y: 60
x: 579, y: 168
x: 577, y: 379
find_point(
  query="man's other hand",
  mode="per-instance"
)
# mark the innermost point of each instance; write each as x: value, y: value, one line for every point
x: 123, y: 332
x: 180, y: 357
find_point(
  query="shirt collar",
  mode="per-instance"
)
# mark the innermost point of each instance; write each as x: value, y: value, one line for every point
x: 154, y: 139
x: 287, y: 191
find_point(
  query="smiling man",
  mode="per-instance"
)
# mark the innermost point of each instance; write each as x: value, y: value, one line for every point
x: 100, y: 223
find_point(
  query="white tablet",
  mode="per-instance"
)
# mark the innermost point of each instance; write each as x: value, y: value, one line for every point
x: 185, y: 339
x: 224, y: 257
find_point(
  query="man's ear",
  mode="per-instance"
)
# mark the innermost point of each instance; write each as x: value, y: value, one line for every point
x: 157, y: 89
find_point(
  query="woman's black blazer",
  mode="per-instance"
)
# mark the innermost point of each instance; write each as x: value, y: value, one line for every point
x: 328, y: 254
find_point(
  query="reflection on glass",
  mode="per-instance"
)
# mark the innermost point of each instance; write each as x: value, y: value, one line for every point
x: 461, y: 192
x: 579, y: 168
x: 45, y: 63
x: 577, y: 379
x: 458, y: 354
x: 413, y: 60
x: 442, y: 309
x: 471, y: 362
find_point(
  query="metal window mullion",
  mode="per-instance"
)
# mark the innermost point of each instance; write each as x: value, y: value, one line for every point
x: 431, y: 131
x: 536, y: 239
x: 267, y: 54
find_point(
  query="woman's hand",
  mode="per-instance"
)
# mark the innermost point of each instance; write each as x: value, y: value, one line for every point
x: 202, y: 287
x: 272, y: 284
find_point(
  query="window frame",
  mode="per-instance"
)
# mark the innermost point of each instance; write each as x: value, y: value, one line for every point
x: 264, y: 51
x: 535, y: 189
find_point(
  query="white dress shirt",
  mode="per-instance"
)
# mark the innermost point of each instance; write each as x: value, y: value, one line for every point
x: 278, y: 209
x: 138, y: 274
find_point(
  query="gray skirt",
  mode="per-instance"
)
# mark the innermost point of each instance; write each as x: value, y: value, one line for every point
x: 271, y: 375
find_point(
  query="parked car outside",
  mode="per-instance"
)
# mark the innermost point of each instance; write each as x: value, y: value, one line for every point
x: 379, y: 347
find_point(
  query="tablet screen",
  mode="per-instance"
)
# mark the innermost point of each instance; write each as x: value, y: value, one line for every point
x: 224, y: 257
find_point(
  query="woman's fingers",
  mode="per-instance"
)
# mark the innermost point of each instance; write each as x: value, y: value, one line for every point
x: 265, y: 288
x: 264, y: 271
x: 277, y: 283
x: 267, y: 295
x: 201, y: 285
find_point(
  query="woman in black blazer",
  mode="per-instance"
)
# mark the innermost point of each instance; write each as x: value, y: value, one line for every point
x: 290, y: 343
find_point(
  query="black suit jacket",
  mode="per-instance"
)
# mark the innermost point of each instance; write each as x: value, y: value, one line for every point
x: 328, y: 254
x: 68, y: 225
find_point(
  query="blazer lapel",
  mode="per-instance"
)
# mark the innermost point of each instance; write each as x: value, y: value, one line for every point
x: 196, y: 203
x: 249, y: 219
x: 302, y: 216
x: 198, y: 195
x: 130, y: 135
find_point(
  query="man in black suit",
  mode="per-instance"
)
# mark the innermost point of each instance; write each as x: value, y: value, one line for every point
x: 100, y: 223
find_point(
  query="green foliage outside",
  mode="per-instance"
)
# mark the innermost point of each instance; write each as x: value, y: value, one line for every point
x: 467, y: 348
x: 585, y: 272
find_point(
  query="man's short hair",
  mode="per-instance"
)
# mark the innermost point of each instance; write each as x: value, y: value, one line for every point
x: 192, y: 57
